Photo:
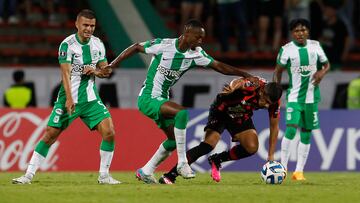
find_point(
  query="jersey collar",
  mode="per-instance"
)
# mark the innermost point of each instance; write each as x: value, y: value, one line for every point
x: 78, y: 40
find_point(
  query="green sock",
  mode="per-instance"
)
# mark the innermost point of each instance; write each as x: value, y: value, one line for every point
x: 42, y: 148
x: 107, y: 145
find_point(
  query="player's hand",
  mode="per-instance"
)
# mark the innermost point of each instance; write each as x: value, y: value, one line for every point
x: 70, y: 106
x: 89, y: 70
x: 317, y: 77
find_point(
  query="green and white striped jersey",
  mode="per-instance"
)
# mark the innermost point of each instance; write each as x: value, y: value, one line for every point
x: 79, y: 54
x: 168, y: 64
x: 301, y: 63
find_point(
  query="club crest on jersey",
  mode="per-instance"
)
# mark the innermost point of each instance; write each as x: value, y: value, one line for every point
x: 59, y: 111
x: 62, y: 54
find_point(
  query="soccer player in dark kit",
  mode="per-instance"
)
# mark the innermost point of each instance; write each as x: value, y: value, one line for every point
x: 232, y: 110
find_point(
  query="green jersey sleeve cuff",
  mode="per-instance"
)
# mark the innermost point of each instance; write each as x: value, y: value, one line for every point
x: 64, y: 61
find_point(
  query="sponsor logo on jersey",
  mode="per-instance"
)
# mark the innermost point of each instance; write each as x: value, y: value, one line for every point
x: 305, y: 70
x: 77, y: 69
x: 169, y: 74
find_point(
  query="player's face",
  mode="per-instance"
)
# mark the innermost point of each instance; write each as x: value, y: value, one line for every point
x: 300, y: 34
x: 195, y: 37
x: 85, y: 26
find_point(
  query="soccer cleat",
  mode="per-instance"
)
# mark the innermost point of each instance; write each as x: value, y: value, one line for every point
x: 21, y: 180
x: 185, y: 171
x: 298, y: 176
x: 215, y: 167
x: 166, y: 180
x: 148, y: 179
x: 107, y: 179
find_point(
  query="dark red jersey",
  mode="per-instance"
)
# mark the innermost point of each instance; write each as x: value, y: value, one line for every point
x: 241, y: 98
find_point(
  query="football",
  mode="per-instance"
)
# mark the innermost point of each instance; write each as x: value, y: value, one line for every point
x: 273, y: 172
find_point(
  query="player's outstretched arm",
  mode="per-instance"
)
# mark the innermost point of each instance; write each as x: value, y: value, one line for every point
x: 274, y: 131
x: 128, y: 52
x: 102, y: 70
x: 228, y: 70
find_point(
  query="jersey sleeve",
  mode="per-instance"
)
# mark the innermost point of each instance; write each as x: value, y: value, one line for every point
x: 282, y: 58
x: 321, y: 55
x: 274, y: 110
x: 204, y: 59
x: 153, y: 46
x: 102, y: 53
x: 64, y: 54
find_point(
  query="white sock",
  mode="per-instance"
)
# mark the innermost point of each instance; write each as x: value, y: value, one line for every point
x: 105, y: 162
x: 303, y: 152
x: 160, y: 155
x: 34, y: 164
x: 285, y: 151
x: 180, y: 138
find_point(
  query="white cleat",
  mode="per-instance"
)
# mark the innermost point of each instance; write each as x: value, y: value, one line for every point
x: 185, y: 171
x: 21, y: 180
x: 107, y: 179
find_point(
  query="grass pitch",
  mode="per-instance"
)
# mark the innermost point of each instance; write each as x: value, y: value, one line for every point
x: 234, y: 187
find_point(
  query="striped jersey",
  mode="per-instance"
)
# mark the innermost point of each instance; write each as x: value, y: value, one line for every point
x: 168, y: 64
x: 79, y: 55
x: 301, y: 63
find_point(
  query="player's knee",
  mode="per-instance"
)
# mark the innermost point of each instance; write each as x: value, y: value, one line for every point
x: 290, y: 132
x: 109, y: 134
x: 181, y: 119
x: 252, y: 148
x: 51, y: 135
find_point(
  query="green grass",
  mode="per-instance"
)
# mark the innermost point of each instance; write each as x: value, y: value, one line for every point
x: 234, y: 187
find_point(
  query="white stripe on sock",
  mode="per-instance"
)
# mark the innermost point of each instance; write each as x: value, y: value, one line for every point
x: 285, y: 151
x: 160, y: 155
x: 105, y: 161
x: 303, y: 153
x: 180, y: 138
x: 34, y: 164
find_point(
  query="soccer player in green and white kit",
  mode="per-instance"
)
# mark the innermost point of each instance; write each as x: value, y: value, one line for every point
x: 171, y: 59
x: 81, y: 58
x: 306, y: 64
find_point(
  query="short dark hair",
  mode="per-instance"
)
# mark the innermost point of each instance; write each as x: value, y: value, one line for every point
x: 193, y: 23
x: 18, y: 75
x: 87, y: 13
x: 274, y: 91
x: 299, y: 21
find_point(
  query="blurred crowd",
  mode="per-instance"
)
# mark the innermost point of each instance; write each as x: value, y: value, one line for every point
x: 53, y: 12
x: 261, y: 25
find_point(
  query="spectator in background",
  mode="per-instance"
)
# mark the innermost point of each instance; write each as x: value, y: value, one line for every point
x: 235, y: 9
x: 35, y: 10
x: 18, y: 96
x: 270, y: 10
x: 190, y: 9
x: 297, y: 9
x: 353, y: 92
x: 335, y: 36
x: 10, y: 11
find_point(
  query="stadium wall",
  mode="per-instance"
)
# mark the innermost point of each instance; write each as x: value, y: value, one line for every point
x: 335, y: 147
x: 196, y: 89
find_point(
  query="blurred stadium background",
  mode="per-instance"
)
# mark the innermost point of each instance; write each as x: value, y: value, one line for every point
x: 29, y: 40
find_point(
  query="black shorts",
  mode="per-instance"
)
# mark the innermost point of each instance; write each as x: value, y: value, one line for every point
x: 220, y: 121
